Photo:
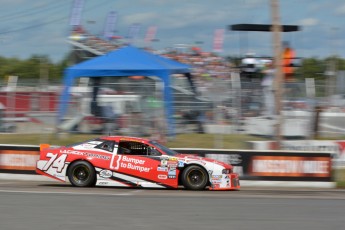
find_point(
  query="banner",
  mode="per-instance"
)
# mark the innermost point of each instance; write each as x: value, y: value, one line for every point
x: 77, y: 9
x: 109, y: 26
x: 272, y: 165
x: 18, y: 159
x: 218, y: 40
x: 133, y: 32
x: 290, y: 166
x: 150, y: 35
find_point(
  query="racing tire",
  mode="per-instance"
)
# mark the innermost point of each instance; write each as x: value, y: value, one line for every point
x: 194, y: 178
x: 81, y: 174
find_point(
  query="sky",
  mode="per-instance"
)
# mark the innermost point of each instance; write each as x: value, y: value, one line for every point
x: 41, y: 27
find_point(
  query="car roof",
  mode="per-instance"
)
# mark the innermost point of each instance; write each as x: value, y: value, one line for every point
x: 124, y: 138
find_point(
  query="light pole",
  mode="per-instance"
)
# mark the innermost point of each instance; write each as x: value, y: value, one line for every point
x: 278, y: 82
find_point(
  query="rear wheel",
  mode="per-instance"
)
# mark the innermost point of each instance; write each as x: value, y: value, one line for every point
x: 194, y: 178
x: 81, y: 174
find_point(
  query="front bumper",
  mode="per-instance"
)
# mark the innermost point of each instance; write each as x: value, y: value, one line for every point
x: 226, y: 182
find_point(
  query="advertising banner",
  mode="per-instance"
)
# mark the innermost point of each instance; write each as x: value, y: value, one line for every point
x: 18, y: 159
x: 272, y: 165
x: 249, y: 164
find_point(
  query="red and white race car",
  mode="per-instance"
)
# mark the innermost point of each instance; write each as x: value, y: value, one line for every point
x: 133, y: 162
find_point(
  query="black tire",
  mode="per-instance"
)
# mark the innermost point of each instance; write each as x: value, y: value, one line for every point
x: 81, y: 174
x: 194, y: 178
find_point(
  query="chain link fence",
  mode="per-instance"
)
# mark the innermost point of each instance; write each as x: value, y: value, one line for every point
x: 135, y: 106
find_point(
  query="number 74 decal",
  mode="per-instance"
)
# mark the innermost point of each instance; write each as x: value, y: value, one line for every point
x: 55, y: 162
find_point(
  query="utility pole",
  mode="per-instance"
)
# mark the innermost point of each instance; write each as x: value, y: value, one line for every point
x: 278, y: 81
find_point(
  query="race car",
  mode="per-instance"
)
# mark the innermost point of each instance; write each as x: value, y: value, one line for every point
x: 133, y: 162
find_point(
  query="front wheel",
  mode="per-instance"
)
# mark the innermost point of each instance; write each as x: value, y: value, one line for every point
x: 81, y: 174
x: 194, y: 178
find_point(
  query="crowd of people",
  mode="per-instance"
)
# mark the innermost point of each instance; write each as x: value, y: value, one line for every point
x: 102, y: 45
x: 208, y: 67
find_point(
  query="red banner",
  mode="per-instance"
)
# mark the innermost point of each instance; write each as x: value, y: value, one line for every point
x: 291, y: 166
x: 218, y: 40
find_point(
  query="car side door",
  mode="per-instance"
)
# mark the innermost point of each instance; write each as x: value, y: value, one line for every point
x: 141, y: 163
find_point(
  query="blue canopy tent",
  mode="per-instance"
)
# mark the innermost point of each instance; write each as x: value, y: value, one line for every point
x: 126, y: 61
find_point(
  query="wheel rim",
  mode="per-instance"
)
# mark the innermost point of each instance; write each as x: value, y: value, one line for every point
x: 196, y: 177
x: 81, y: 174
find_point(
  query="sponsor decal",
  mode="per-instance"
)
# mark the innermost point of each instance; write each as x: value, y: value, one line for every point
x: 172, y: 173
x: 103, y: 183
x: 196, y: 161
x: 173, y: 158
x: 164, y: 162
x: 180, y: 164
x: 290, y: 166
x: 162, y: 169
x: 172, y: 164
x: 85, y: 154
x: 162, y: 177
x: 105, y: 173
x: 88, y: 146
x: 134, y: 163
x: 216, y: 177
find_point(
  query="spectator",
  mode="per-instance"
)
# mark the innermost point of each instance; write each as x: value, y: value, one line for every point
x: 288, y: 57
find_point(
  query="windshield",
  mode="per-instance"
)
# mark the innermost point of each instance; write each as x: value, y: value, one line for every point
x: 166, y: 150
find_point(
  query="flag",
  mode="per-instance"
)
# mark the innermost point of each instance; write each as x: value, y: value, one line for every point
x: 133, y: 32
x: 110, y: 22
x: 150, y: 34
x: 76, y: 12
x: 218, y: 40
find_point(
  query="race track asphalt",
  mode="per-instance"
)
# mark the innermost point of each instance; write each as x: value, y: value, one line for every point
x: 38, y: 205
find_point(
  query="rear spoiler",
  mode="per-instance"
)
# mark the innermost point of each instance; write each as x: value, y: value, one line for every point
x: 44, y: 146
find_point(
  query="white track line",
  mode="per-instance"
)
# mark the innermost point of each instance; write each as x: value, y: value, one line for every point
x: 70, y: 193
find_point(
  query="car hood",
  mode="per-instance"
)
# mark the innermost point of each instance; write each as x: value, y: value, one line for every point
x: 190, y: 157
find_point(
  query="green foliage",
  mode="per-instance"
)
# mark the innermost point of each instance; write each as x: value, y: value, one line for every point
x: 311, y: 68
x: 38, y: 65
x: 35, y: 67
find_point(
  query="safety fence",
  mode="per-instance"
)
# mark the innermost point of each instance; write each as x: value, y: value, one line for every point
x: 249, y: 164
x: 134, y: 106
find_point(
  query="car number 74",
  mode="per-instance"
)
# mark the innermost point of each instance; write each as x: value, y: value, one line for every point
x: 55, y: 162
